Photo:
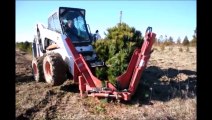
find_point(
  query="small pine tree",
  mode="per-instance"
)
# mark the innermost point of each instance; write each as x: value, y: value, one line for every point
x: 178, y: 41
x: 170, y: 40
x: 186, y: 41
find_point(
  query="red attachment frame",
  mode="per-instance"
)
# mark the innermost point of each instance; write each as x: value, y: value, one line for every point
x: 129, y: 80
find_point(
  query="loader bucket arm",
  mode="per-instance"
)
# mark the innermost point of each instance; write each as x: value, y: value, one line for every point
x: 123, y: 80
x: 137, y: 64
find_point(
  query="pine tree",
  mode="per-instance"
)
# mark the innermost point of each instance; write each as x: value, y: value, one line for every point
x: 185, y: 41
x: 116, y: 50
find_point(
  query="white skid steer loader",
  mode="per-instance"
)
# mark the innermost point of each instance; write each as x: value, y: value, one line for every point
x: 52, y: 58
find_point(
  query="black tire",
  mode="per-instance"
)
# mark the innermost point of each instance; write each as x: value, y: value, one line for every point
x: 37, y: 68
x: 54, y: 69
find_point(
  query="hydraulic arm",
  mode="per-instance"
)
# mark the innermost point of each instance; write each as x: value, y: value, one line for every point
x: 126, y: 83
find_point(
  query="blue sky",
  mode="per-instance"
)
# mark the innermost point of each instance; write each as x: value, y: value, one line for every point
x: 171, y: 18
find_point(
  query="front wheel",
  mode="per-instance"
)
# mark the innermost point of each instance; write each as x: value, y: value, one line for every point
x: 54, y: 69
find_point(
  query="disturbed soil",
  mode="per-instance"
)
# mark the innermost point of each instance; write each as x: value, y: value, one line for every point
x: 167, y: 91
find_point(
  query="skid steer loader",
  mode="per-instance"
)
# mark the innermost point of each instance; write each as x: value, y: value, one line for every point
x: 64, y: 49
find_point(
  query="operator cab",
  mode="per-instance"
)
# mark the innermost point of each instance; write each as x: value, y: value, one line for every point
x: 74, y: 25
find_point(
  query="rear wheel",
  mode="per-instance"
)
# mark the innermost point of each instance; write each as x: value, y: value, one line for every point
x: 54, y: 69
x: 37, y: 68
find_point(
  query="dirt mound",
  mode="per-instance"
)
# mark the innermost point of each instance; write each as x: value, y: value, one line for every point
x: 23, y: 66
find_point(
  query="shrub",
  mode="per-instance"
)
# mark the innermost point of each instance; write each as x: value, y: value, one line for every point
x: 180, y: 49
x: 187, y: 49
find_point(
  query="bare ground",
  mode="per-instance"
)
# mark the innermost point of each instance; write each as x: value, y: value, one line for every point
x: 167, y: 91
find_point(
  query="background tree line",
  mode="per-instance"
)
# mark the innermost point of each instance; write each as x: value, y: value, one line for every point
x: 170, y: 41
x: 24, y: 46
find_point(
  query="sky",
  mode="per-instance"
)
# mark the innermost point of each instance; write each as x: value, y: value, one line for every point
x: 167, y: 18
